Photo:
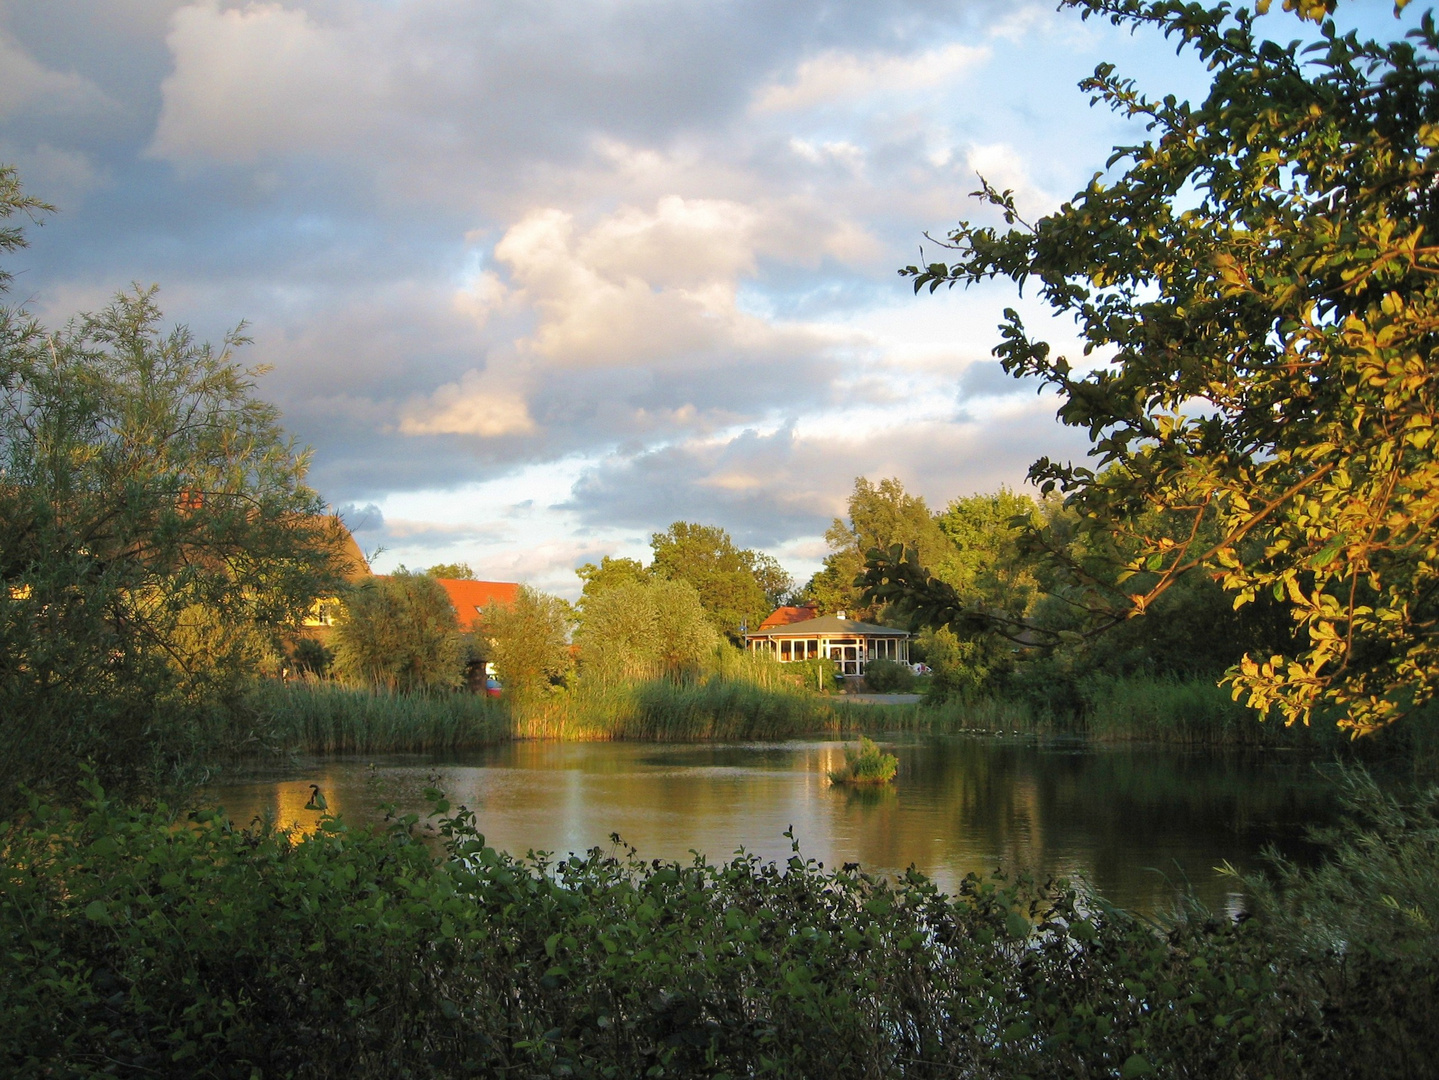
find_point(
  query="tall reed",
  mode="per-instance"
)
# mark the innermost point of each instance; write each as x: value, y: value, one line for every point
x: 329, y: 718
x: 1192, y: 712
x: 677, y: 710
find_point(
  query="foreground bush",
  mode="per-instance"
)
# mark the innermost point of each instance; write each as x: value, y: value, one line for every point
x: 141, y: 944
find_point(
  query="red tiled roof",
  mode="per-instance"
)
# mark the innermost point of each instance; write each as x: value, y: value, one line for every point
x: 786, y: 615
x: 472, y: 598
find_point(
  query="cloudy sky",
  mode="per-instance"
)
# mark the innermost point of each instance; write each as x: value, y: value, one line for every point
x: 538, y: 277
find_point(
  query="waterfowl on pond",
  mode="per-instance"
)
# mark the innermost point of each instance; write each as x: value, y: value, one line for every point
x: 317, y: 801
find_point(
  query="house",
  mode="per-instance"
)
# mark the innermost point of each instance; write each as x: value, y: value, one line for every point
x: 354, y: 567
x: 785, y: 615
x: 850, y: 644
x: 471, y: 599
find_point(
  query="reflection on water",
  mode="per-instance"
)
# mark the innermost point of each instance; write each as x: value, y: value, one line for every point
x: 1132, y: 822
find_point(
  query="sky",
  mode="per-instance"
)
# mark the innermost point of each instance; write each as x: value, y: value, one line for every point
x: 534, y: 279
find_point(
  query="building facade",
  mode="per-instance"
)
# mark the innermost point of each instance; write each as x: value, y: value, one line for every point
x: 849, y: 643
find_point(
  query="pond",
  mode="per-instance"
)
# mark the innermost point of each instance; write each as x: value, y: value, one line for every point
x: 1134, y: 822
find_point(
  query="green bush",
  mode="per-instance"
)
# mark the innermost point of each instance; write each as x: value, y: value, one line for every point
x: 145, y: 943
x: 888, y: 677
x: 399, y: 633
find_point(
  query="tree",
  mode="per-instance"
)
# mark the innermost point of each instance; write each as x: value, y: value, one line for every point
x: 458, y: 570
x: 880, y: 515
x: 774, y: 580
x: 156, y: 534
x: 529, y: 642
x: 1264, y: 277
x: 400, y: 633
x: 645, y: 630
x: 722, y: 574
x: 611, y: 573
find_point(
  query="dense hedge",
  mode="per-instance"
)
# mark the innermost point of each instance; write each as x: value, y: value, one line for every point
x: 136, y: 943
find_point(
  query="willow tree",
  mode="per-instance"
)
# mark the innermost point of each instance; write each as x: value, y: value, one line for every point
x: 1257, y: 289
x: 155, y: 532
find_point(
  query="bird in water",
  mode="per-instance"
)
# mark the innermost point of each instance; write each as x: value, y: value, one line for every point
x: 317, y: 801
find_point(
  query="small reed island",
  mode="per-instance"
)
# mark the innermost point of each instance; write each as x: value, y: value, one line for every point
x: 865, y: 764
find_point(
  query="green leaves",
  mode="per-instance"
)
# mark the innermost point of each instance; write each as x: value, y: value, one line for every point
x: 1261, y: 272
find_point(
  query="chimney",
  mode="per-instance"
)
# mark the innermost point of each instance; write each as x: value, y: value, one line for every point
x: 839, y: 614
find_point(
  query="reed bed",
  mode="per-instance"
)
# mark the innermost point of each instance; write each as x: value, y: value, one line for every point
x: 331, y: 718
x: 747, y: 699
x: 1195, y: 712
x: 715, y: 708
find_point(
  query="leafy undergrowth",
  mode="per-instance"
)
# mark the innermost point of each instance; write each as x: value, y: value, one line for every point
x: 139, y: 942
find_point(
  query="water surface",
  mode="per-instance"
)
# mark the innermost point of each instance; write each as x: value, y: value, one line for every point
x: 1133, y: 822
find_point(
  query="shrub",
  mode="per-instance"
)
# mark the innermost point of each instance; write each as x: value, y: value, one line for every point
x: 143, y: 942
x: 399, y: 632
x: 644, y: 630
x: 888, y: 677
x: 529, y: 642
x: 311, y: 657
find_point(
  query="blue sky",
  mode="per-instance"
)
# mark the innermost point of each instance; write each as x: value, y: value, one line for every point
x: 535, y: 279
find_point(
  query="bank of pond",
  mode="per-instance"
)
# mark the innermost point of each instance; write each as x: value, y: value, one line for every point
x: 306, y: 716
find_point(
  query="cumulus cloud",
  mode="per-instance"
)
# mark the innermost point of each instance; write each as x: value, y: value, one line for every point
x: 263, y: 80
x: 653, y: 291
x: 635, y: 260
x: 26, y: 85
x: 476, y: 405
x: 836, y: 78
x: 766, y: 488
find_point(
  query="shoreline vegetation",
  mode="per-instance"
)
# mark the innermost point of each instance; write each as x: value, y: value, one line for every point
x: 746, y: 703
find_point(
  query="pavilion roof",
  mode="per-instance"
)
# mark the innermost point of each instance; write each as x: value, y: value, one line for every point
x: 829, y: 626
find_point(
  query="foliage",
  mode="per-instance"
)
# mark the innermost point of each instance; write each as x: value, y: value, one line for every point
x: 609, y: 574
x: 458, y: 570
x: 156, y: 535
x: 134, y: 941
x: 865, y: 763
x: 888, y: 677
x: 1378, y: 892
x: 962, y: 667
x: 735, y: 585
x: 987, y: 561
x: 13, y: 200
x: 644, y: 630
x: 1261, y: 277
x: 529, y: 642
x: 311, y: 657
x: 400, y: 633
x: 879, y: 515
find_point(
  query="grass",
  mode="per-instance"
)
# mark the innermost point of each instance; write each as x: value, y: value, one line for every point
x: 746, y: 698
x: 330, y: 718
x: 714, y: 708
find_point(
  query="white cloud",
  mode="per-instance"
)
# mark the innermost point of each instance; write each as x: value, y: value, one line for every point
x: 254, y: 81
x: 638, y: 289
x: 839, y: 77
x: 26, y: 85
x: 479, y: 404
